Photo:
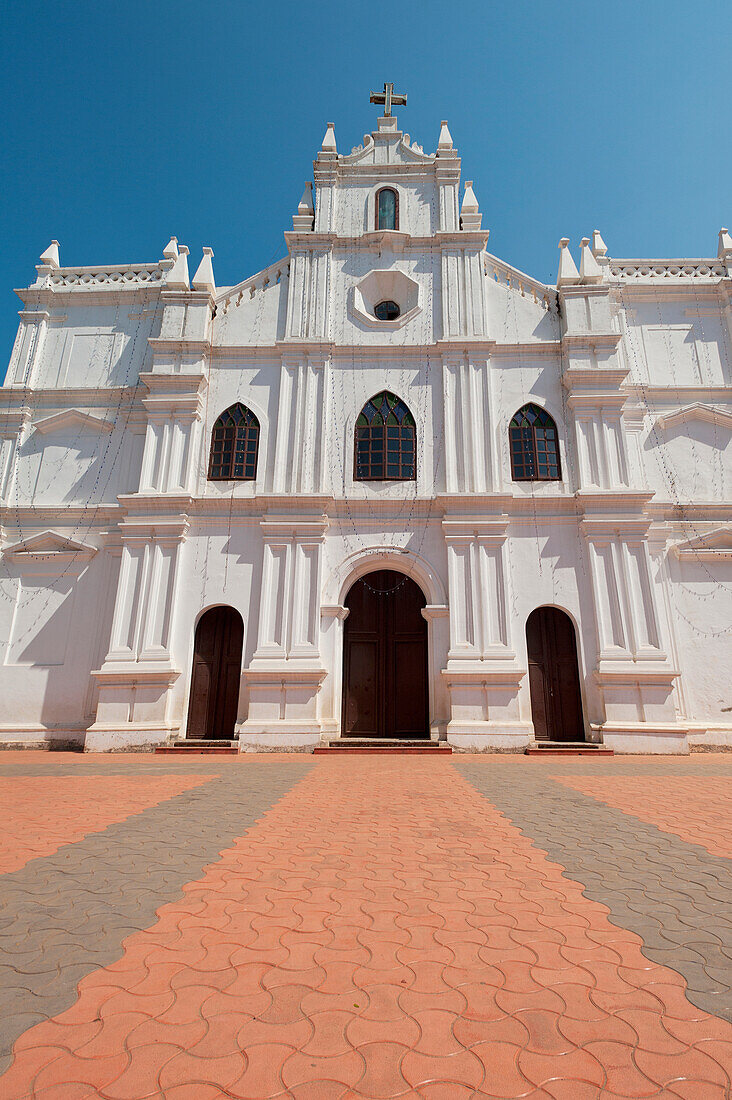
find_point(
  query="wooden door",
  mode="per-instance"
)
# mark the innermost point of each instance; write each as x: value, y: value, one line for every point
x: 385, y: 687
x: 556, y: 700
x: 216, y: 674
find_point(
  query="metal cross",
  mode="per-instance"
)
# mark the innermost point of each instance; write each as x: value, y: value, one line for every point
x: 387, y: 97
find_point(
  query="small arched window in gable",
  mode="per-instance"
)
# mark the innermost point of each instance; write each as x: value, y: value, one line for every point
x: 534, y: 446
x: 386, y: 441
x: 387, y: 208
x: 234, y: 445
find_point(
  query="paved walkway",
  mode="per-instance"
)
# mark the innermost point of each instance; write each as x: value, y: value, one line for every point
x: 285, y: 926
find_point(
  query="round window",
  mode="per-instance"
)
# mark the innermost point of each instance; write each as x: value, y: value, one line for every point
x: 386, y: 311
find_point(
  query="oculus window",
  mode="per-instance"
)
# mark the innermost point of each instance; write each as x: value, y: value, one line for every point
x: 386, y: 441
x: 534, y: 446
x: 386, y: 311
x: 387, y: 208
x: 234, y: 445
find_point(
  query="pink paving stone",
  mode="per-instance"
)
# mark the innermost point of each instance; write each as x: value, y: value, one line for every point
x: 530, y: 990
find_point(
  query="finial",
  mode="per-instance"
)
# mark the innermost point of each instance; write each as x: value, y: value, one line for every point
x: 470, y: 217
x: 599, y: 248
x: 445, y: 141
x: 724, y: 250
x: 590, y: 270
x: 329, y: 141
x: 204, y: 277
x: 568, y: 272
x: 178, y: 274
x: 302, y: 222
x: 50, y: 256
x: 170, y: 252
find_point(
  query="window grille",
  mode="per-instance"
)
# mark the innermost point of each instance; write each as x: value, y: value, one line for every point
x: 386, y: 441
x: 534, y: 446
x: 234, y: 445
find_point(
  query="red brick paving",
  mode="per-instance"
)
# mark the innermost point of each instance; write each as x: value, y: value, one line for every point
x: 383, y: 931
x: 50, y: 811
x: 695, y: 808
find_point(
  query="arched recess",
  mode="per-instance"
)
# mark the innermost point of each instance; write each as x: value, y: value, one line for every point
x: 216, y: 674
x: 554, y: 681
x: 385, y: 659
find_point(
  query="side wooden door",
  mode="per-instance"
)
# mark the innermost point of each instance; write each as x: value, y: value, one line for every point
x: 556, y: 698
x: 216, y: 674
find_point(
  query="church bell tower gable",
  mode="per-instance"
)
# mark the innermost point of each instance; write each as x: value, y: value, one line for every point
x: 383, y: 223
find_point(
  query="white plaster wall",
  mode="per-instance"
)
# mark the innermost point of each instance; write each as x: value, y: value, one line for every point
x: 54, y: 627
x: 417, y: 203
x: 700, y: 595
x: 690, y: 461
x: 77, y: 465
x: 676, y: 341
x: 96, y: 345
x: 244, y: 319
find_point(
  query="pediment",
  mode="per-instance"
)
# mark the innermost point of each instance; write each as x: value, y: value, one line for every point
x: 715, y: 546
x: 47, y: 543
x: 697, y: 411
x: 72, y: 418
x: 401, y: 150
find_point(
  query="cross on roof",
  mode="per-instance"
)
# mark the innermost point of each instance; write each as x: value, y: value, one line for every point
x: 387, y: 97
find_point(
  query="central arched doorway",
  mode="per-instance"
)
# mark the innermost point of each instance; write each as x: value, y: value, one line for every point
x: 385, y: 682
x: 216, y: 675
x: 556, y: 699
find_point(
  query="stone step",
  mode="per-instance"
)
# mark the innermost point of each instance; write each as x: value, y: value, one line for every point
x: 567, y: 748
x: 195, y: 746
x: 384, y: 744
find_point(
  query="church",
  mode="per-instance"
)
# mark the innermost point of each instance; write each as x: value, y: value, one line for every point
x: 391, y: 487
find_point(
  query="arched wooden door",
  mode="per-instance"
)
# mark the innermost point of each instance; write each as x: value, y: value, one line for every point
x: 385, y: 686
x: 556, y: 700
x: 216, y: 674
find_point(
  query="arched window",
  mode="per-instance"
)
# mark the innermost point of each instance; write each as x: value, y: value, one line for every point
x: 534, y: 446
x: 234, y: 445
x: 387, y: 208
x: 386, y: 441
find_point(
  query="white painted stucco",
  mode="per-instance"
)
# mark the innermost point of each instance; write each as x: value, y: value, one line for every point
x: 113, y: 542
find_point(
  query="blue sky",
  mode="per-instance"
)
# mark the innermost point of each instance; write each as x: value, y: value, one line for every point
x: 125, y: 123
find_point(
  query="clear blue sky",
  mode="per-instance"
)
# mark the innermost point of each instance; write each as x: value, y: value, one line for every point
x: 124, y: 123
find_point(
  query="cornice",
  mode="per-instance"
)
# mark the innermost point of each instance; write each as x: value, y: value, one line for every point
x: 179, y: 343
x: 607, y: 341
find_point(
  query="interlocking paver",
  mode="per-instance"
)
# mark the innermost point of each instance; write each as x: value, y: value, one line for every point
x: 675, y: 894
x: 53, y: 811
x: 65, y: 915
x: 695, y: 808
x: 383, y: 930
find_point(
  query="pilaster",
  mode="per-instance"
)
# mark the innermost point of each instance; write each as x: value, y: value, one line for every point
x: 299, y: 465
x: 482, y: 675
x: 286, y: 671
x: 135, y: 680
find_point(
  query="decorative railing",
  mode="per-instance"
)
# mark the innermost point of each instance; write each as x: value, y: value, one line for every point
x: 514, y: 279
x: 108, y: 277
x: 667, y: 269
x: 268, y: 277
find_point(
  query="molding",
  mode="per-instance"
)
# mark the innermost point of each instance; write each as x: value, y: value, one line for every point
x: 714, y: 546
x: 73, y: 417
x: 50, y: 545
x: 697, y: 411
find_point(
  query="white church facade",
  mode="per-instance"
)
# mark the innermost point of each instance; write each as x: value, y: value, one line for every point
x: 390, y: 487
